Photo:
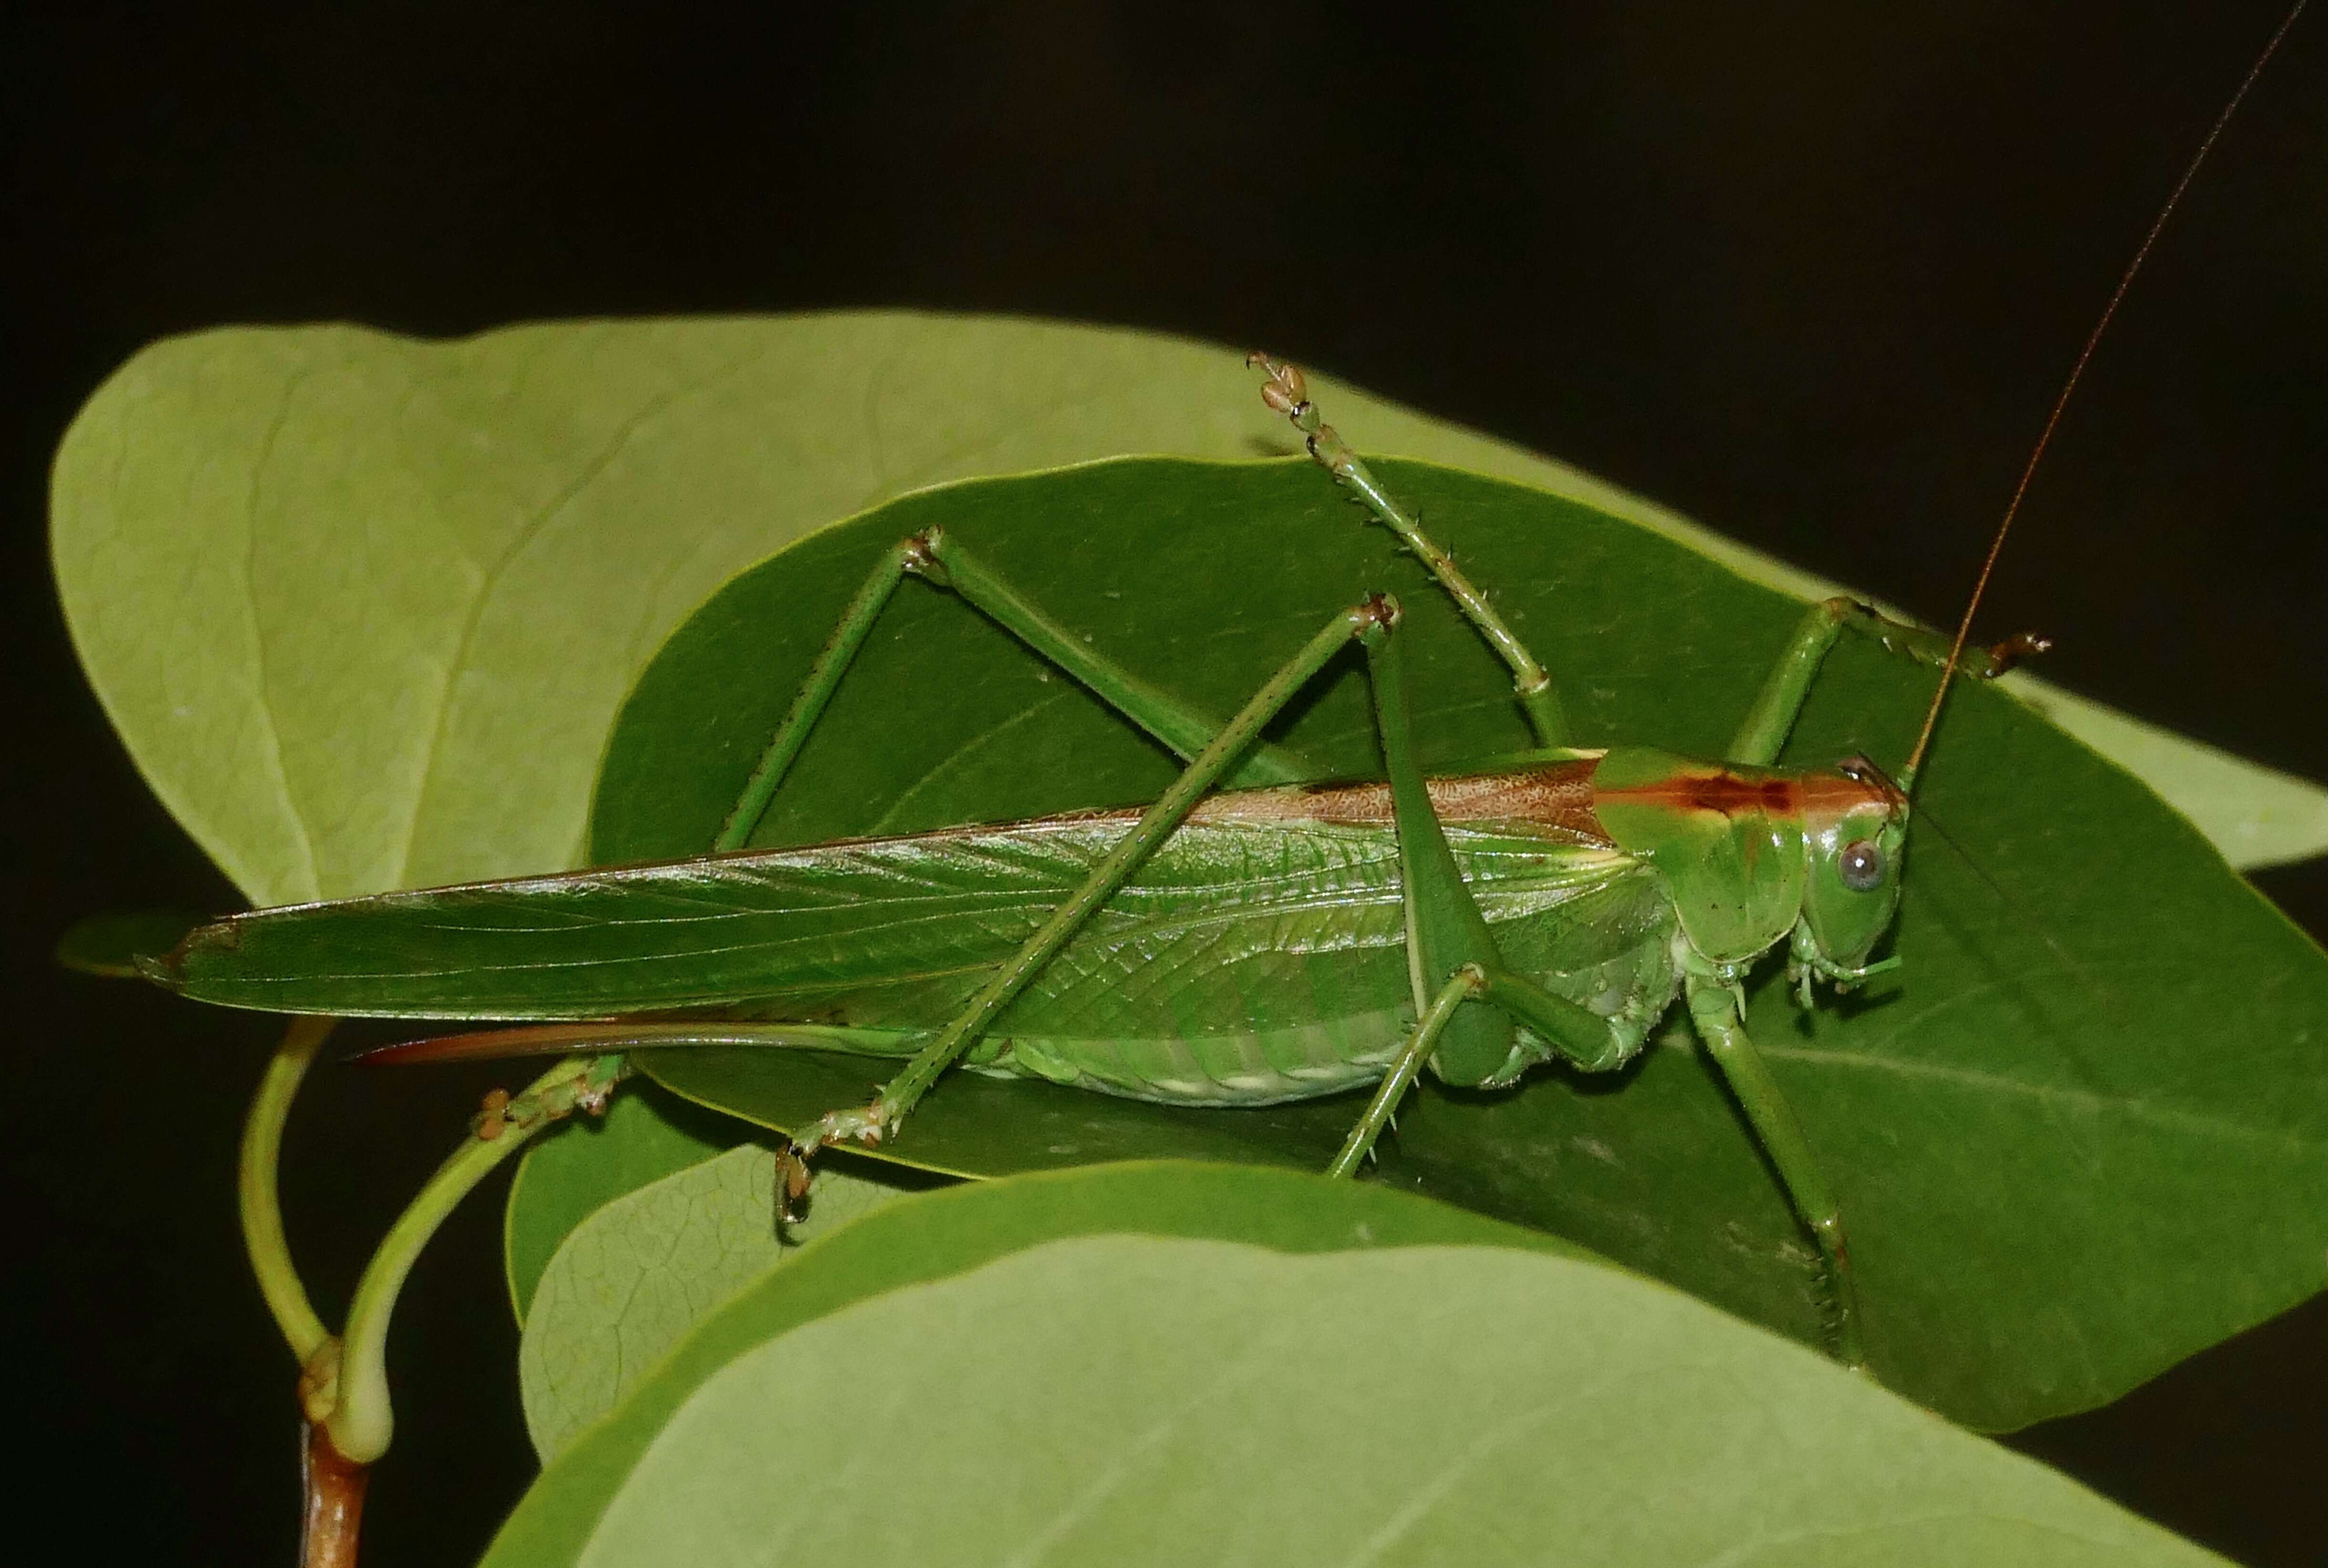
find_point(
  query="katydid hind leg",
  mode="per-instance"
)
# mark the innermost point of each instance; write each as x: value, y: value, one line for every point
x: 1446, y: 929
x: 1713, y: 1009
x: 899, y: 1095
x: 944, y: 562
x: 1421, y: 1041
x: 832, y: 663
x: 1182, y: 728
x: 1582, y: 1037
x: 1451, y: 956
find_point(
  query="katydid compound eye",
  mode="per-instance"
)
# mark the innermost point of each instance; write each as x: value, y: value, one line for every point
x: 1861, y: 866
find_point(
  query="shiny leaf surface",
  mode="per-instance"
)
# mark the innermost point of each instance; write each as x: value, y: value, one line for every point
x: 948, y: 1380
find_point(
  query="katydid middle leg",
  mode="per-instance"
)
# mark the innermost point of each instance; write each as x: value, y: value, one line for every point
x: 934, y: 555
x: 1287, y: 392
x: 1581, y: 1036
x: 1461, y: 987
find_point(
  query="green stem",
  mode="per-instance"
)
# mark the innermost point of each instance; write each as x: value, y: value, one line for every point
x: 362, y: 1419
x: 256, y: 1194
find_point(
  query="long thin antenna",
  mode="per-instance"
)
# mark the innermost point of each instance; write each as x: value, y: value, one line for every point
x: 2045, y: 437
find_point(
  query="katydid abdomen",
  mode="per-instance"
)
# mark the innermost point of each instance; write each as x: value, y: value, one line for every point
x: 1259, y: 957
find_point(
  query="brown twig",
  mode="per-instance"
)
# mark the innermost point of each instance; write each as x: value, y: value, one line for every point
x: 331, y: 1492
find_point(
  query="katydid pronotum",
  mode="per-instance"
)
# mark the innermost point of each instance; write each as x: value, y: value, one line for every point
x: 1688, y: 871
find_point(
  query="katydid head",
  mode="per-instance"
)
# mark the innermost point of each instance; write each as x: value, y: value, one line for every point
x: 1855, y: 836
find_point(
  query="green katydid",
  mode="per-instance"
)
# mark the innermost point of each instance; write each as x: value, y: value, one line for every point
x: 1552, y: 907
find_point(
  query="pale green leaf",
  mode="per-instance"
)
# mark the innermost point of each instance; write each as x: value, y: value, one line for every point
x: 636, y: 1276
x: 569, y: 1174
x: 1136, y: 1399
x: 362, y: 607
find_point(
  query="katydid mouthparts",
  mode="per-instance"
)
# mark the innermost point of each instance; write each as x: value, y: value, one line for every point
x: 1238, y: 947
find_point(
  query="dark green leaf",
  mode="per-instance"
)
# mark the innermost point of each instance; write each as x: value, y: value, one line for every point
x: 2081, y: 1135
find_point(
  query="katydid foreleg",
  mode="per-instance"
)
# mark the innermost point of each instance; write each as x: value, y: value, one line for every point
x: 1714, y: 1010
x: 1788, y: 685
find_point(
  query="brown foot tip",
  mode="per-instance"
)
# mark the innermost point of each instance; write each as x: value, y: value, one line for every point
x: 491, y: 1118
x: 2004, y: 656
x: 1285, y: 391
x: 1377, y: 610
x: 793, y: 1179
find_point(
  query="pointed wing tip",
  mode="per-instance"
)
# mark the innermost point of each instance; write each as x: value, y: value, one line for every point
x: 474, y: 1046
x: 166, y: 971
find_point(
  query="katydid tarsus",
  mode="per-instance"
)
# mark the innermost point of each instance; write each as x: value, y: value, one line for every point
x: 1550, y: 909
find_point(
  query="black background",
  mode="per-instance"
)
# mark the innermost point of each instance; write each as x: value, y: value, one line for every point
x: 1809, y: 273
